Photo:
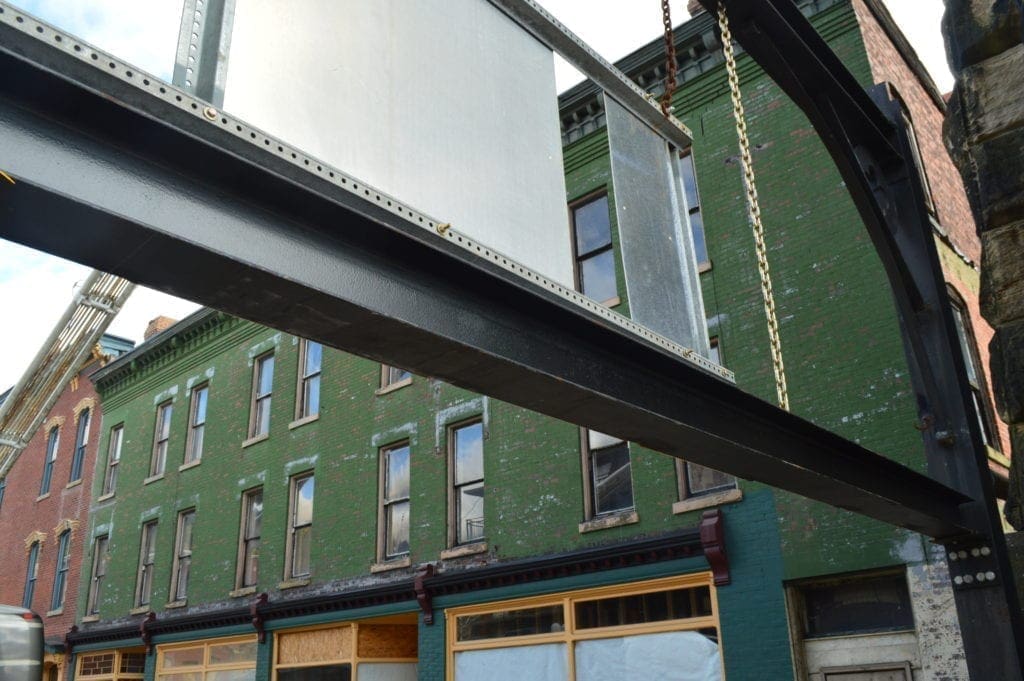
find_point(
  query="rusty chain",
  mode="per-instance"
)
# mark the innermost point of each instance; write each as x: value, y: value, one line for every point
x: 670, y: 59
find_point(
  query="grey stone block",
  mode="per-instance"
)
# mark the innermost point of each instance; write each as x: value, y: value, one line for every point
x: 1002, y: 274
x: 1007, y: 363
x: 976, y: 30
x: 990, y: 95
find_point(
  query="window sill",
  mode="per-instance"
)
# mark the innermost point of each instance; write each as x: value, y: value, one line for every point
x: 104, y: 497
x: 141, y: 610
x: 73, y: 483
x: 728, y: 496
x: 190, y: 464
x: 393, y: 564
x: 244, y: 591
x: 42, y: 496
x: 90, y: 618
x: 293, y: 583
x: 54, y: 613
x: 254, y: 439
x: 613, y: 520
x: 464, y: 550
x: 303, y: 421
x: 703, y: 267
x: 175, y: 604
x: 153, y: 478
x: 614, y: 301
x: 393, y: 387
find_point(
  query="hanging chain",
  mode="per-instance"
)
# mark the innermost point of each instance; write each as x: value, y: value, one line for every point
x: 754, y: 210
x: 670, y: 59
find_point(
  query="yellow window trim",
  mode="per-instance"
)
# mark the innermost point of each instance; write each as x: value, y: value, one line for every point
x: 571, y: 634
x: 116, y: 674
x: 205, y: 644
x: 355, y: 659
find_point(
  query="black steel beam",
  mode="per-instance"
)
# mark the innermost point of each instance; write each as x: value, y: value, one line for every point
x: 113, y: 173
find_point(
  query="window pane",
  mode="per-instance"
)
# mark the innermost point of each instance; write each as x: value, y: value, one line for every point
x: 311, y: 396
x: 314, y: 354
x: 469, y: 453
x: 304, y: 501
x: 613, y: 486
x: 397, y: 482
x: 181, y: 587
x: 164, y: 429
x: 702, y: 479
x: 232, y: 675
x: 200, y: 406
x: 115, y: 443
x: 196, y: 452
x: 470, y: 500
x: 689, y: 182
x: 394, y: 375
x: 254, y: 514
x: 666, y: 656
x: 262, y: 421
x: 265, y: 382
x: 336, y: 672
x: 597, y: 276
x: 300, y: 551
x: 545, y: 662
x: 700, y: 245
x: 398, y: 529
x: 183, y: 657
x: 228, y: 653
x: 600, y: 440
x: 97, y: 665
x: 541, y: 620
x: 133, y: 663
x: 593, y: 229
x: 659, y: 606
x: 251, y: 566
x: 860, y: 606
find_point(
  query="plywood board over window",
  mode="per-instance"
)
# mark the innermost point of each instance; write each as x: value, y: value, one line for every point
x: 365, y: 651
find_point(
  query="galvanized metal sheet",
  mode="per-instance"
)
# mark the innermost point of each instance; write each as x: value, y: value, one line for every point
x: 656, y: 242
x: 447, y: 105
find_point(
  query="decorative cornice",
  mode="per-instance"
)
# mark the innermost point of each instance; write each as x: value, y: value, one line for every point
x: 66, y: 524
x: 85, y: 403
x: 427, y: 584
x: 33, y: 538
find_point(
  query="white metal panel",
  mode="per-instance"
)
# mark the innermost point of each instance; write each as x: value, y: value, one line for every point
x: 447, y: 105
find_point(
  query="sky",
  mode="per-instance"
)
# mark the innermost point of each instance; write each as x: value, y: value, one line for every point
x: 145, y: 32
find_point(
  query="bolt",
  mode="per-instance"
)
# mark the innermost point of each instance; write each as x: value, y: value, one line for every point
x: 968, y: 579
x: 990, y: 575
x: 985, y: 550
x: 210, y: 113
x: 975, y: 552
x: 980, y: 576
x: 961, y: 554
x: 952, y: 556
x: 958, y: 580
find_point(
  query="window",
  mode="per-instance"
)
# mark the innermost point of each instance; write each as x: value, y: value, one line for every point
x: 696, y: 219
x: 592, y: 241
x: 466, y: 462
x: 361, y: 650
x: 182, y: 563
x: 300, y: 527
x: 310, y: 361
x: 223, y: 659
x: 915, y: 150
x: 249, y: 541
x: 52, y: 441
x: 394, y: 502
x: 620, y: 631
x: 979, y: 394
x: 100, y: 557
x: 113, y: 459
x: 608, y: 482
x: 81, y: 440
x: 393, y: 377
x: 855, y: 605
x: 30, y: 575
x: 161, y: 434
x: 196, y: 424
x: 262, y: 387
x: 3, y: 489
x: 112, y: 665
x: 60, y: 578
x: 147, y: 559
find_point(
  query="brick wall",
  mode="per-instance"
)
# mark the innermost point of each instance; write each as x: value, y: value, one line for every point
x: 23, y: 512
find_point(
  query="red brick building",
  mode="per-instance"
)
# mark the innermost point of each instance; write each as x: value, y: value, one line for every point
x: 44, y: 505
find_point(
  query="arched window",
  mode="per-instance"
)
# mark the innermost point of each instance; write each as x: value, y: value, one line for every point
x: 975, y: 373
x: 30, y: 575
x: 60, y: 577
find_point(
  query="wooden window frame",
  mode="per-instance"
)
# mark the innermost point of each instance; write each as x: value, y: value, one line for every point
x: 354, y: 658
x: 203, y: 670
x: 257, y: 398
x: 980, y: 393
x: 31, y: 574
x: 81, y: 442
x: 698, y: 209
x: 289, y: 558
x: 194, y: 453
x: 570, y: 634
x: 115, y: 674
x: 182, y: 556
x: 147, y: 563
x: 114, y: 444
x: 384, y: 503
x: 244, y: 539
x: 302, y: 413
x: 587, y: 463
x: 61, y: 572
x: 453, y: 489
x: 577, y: 259
x: 161, y: 439
x: 52, y: 445
x: 388, y: 383
x: 97, y: 574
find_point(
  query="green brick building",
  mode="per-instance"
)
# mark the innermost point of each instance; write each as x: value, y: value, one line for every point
x: 267, y: 508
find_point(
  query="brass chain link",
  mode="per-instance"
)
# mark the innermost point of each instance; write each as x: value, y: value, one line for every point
x: 754, y: 210
x: 670, y: 59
